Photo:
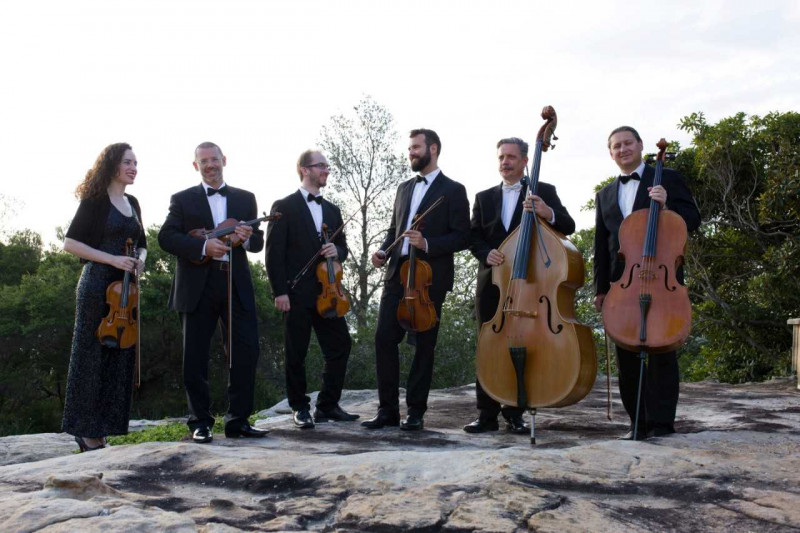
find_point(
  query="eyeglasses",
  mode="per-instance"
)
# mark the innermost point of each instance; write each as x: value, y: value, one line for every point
x: 323, y: 166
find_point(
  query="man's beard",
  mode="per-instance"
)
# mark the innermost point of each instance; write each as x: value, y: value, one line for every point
x: 421, y: 162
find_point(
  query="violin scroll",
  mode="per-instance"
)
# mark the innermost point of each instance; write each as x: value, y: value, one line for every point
x: 546, y: 132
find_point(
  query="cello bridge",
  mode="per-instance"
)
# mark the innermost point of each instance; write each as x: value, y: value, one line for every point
x: 647, y: 275
x: 521, y: 313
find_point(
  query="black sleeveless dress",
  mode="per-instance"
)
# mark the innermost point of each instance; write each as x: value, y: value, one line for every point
x: 98, y: 396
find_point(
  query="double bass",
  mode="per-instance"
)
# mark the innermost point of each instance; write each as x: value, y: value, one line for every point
x: 533, y: 353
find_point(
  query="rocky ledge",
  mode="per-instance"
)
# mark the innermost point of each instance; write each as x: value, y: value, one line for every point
x: 732, y: 467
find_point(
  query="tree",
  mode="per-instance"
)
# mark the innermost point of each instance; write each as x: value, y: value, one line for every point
x: 745, y: 260
x: 366, y: 170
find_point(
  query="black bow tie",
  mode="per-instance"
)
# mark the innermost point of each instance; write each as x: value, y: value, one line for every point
x: 312, y: 198
x: 626, y: 179
x: 222, y: 190
x: 422, y: 178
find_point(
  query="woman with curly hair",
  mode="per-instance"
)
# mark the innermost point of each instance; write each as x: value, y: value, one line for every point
x: 99, y: 381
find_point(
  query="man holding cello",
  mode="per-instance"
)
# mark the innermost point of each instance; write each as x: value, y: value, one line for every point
x: 200, y: 292
x: 443, y: 232
x: 294, y: 241
x: 495, y: 214
x: 631, y: 191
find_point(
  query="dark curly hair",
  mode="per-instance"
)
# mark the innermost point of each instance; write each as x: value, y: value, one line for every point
x: 104, y: 169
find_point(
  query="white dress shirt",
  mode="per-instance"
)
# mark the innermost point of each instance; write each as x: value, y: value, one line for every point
x: 316, y: 210
x: 627, y: 192
x: 420, y: 188
x: 219, y: 212
x: 510, y: 198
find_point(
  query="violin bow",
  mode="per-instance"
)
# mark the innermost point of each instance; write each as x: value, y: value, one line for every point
x: 414, y: 225
x: 331, y: 237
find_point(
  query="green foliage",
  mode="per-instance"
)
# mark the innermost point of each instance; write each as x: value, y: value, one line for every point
x: 165, y: 433
x: 745, y: 260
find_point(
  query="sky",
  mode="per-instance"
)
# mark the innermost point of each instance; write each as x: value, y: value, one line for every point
x: 261, y: 78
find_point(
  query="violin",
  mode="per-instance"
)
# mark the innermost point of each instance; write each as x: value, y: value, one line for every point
x: 331, y: 302
x: 225, y: 232
x: 533, y: 353
x: 647, y: 309
x: 416, y: 311
x: 120, y: 328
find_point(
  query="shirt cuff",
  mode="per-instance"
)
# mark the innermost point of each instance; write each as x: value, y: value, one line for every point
x: 553, y: 218
x: 426, y: 246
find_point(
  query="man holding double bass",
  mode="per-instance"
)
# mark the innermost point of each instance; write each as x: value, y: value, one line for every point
x: 292, y: 241
x: 496, y: 213
x: 445, y: 231
x: 632, y: 191
x: 200, y: 292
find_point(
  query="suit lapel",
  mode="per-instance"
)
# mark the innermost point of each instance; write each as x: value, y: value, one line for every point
x: 432, y: 194
x: 612, y: 201
x: 407, y: 190
x: 201, y: 199
x: 517, y: 216
x: 496, y: 197
x: 642, y: 199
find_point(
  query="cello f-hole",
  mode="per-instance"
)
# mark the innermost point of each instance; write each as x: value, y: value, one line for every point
x: 630, y: 277
x: 666, y: 276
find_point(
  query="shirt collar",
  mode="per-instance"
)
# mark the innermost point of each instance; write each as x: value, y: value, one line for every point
x: 639, y: 170
x: 206, y: 186
x: 305, y: 193
x: 432, y: 175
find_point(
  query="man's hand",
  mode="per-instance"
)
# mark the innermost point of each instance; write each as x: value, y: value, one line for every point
x: 534, y: 203
x: 329, y: 250
x: 598, y: 302
x: 659, y: 194
x: 495, y: 258
x: 282, y: 303
x: 216, y: 248
x: 378, y: 259
x: 416, y: 239
x: 243, y: 232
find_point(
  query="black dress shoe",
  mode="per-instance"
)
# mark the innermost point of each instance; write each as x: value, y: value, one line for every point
x: 202, y: 435
x: 629, y: 436
x: 411, y: 423
x: 382, y: 419
x: 337, y: 413
x: 303, y: 420
x: 481, y: 425
x: 515, y: 424
x: 248, y: 432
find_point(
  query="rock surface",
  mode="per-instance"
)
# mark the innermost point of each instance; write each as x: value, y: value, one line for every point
x: 732, y: 467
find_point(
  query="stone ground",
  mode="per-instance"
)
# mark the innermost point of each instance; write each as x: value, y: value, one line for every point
x: 732, y: 467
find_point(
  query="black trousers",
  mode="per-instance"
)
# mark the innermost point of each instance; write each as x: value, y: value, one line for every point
x: 334, y: 339
x: 490, y: 408
x: 660, y: 386
x: 388, y: 336
x: 198, y: 328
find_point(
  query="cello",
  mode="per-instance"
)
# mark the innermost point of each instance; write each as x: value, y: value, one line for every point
x: 647, y: 310
x: 533, y: 353
x: 331, y: 301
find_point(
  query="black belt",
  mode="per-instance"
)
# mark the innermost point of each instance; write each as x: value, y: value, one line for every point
x: 220, y: 265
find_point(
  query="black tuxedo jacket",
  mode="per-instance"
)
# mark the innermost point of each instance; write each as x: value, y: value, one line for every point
x: 293, y: 240
x: 189, y: 210
x: 608, y: 265
x: 446, y: 228
x: 488, y: 232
